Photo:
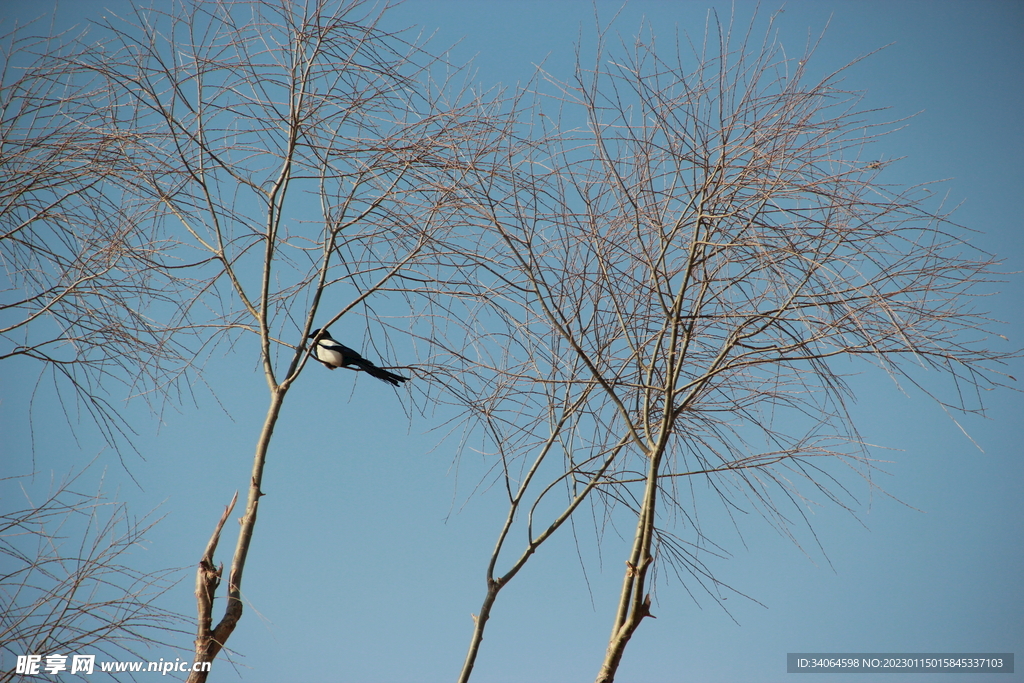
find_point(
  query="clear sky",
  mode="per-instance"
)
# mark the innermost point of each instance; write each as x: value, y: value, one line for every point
x: 370, y: 550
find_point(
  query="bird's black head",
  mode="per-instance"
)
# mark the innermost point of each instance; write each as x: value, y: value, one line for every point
x: 316, y: 332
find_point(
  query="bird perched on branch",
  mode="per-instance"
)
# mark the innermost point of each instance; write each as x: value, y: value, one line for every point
x: 334, y: 354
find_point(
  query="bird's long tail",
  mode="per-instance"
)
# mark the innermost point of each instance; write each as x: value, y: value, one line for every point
x: 380, y: 373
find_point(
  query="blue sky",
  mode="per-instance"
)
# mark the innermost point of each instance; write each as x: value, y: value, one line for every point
x: 370, y: 551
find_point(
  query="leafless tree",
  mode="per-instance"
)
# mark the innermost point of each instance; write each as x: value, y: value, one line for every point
x: 77, y: 284
x: 694, y: 247
x: 287, y: 150
x: 68, y: 582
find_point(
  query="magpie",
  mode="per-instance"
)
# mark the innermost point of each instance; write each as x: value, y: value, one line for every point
x: 334, y: 354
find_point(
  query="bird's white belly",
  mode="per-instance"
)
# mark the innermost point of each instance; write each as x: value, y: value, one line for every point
x: 328, y: 356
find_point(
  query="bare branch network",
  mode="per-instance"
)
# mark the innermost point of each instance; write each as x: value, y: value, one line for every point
x: 68, y: 585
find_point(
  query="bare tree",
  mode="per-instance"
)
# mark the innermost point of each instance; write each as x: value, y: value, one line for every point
x: 693, y: 248
x: 78, y: 280
x: 287, y: 149
x: 68, y: 582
